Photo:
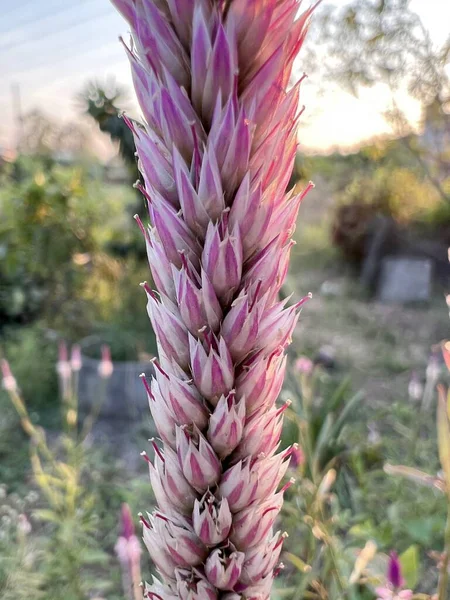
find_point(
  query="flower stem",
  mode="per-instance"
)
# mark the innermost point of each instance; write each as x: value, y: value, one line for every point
x: 443, y: 576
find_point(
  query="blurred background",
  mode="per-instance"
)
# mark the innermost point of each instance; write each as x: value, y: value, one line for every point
x: 372, y: 241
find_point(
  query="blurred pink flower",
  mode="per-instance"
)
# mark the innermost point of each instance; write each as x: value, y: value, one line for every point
x: 128, y: 551
x: 63, y: 367
x: 297, y: 457
x: 75, y: 358
x: 385, y: 593
x: 9, y: 381
x: 106, y: 367
x: 23, y: 525
x: 415, y: 388
x: 304, y: 365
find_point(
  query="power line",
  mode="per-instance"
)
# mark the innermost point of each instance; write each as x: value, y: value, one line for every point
x: 61, y: 59
x: 11, y: 12
x: 47, y: 16
x: 75, y: 23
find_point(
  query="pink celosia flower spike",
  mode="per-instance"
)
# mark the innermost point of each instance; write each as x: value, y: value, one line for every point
x: 216, y: 153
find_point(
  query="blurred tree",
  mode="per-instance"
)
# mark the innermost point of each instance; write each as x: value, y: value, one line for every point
x: 47, y: 232
x: 102, y: 104
x: 42, y: 136
x: 368, y: 42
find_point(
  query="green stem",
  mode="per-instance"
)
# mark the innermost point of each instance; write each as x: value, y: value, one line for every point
x: 443, y: 576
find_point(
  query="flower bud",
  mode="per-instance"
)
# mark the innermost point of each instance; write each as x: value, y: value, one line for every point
x: 223, y: 567
x: 176, y: 237
x: 192, y: 585
x: 160, y: 266
x: 226, y: 425
x: 162, y: 414
x: 199, y: 306
x: 200, y: 207
x: 269, y: 266
x: 251, y: 525
x: 183, y: 545
x: 260, y: 380
x: 169, y: 327
x: 231, y: 137
x: 251, y: 214
x: 269, y: 471
x: 167, y: 478
x: 222, y: 259
x: 211, y: 519
x: 239, y: 484
x: 277, y: 324
x: 197, y: 459
x: 157, y: 550
x: 157, y: 590
x: 261, y: 433
x: 394, y: 574
x: 261, y: 559
x: 181, y: 397
x: 240, y: 327
x: 212, y: 369
x: 261, y: 589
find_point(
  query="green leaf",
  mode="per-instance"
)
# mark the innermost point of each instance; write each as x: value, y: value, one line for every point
x: 347, y: 411
x: 425, y: 530
x: 340, y: 395
x: 410, y: 566
x: 47, y: 515
x: 322, y: 441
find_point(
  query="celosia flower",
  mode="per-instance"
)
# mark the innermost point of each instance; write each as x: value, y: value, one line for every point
x: 64, y: 370
x: 106, y: 367
x: 216, y: 152
x: 23, y: 525
x: 415, y: 388
x: 304, y: 365
x: 75, y: 358
x: 128, y: 551
x: 8, y: 380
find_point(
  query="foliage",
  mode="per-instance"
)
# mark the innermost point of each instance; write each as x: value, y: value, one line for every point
x: 47, y: 236
x: 60, y: 472
x: 61, y: 236
x: 397, y: 193
x: 41, y: 135
x: 19, y: 555
x: 321, y: 411
x: 373, y: 42
x: 22, y: 345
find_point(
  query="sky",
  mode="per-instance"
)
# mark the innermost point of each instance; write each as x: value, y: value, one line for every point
x: 51, y: 48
